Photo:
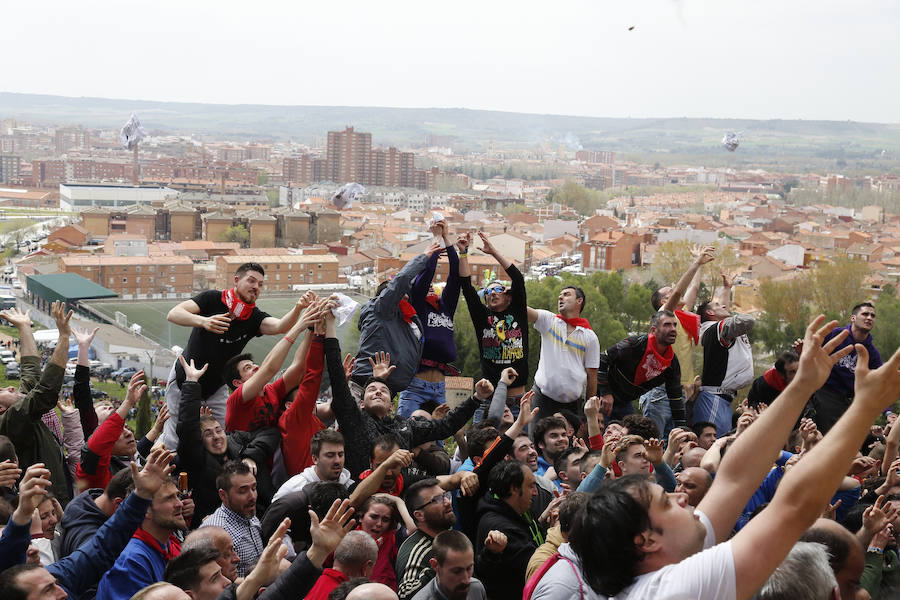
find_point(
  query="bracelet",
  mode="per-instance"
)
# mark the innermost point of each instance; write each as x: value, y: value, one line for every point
x: 875, y: 550
x: 289, y: 339
x: 462, y: 254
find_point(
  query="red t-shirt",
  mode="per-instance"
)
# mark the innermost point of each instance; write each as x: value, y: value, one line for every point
x: 262, y: 411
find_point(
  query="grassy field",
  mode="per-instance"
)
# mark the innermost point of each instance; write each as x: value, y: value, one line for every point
x: 151, y: 316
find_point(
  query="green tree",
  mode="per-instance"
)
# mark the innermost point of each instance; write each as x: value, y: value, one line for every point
x: 887, y: 329
x: 576, y: 196
x: 236, y: 233
x: 835, y: 287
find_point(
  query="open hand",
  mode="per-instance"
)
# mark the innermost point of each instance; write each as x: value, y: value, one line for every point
x: 154, y: 474
x: 381, y: 365
x: 16, y: 317
x: 84, y: 337
x: 62, y: 318
x: 191, y: 372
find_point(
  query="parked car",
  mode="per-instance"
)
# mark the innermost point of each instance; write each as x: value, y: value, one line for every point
x: 7, y: 356
x: 12, y: 370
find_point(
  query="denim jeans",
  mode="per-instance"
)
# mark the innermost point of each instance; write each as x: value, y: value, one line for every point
x: 418, y: 393
x: 655, y: 405
x: 715, y: 409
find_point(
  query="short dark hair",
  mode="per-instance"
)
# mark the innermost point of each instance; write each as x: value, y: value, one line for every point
x: 579, y: 295
x: 562, y: 461
x: 229, y: 470
x: 120, y: 485
x: 571, y: 505
x: 343, y: 590
x: 385, y: 441
x: 413, y: 494
x: 374, y: 379
x: 9, y: 589
x: 859, y: 307
x: 478, y: 440
x: 785, y: 358
x: 449, y: 540
x: 322, y: 495
x: 641, y: 425
x: 655, y: 317
x: 656, y: 299
x: 230, y: 369
x: 324, y: 436
x: 249, y: 266
x: 603, y: 533
x: 547, y: 424
x: 701, y: 310
x: 590, y: 460
x: 699, y: 426
x: 7, y: 449
x: 184, y: 570
x: 505, y: 476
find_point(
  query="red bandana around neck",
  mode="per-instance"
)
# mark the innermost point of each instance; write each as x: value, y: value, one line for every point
x: 690, y: 322
x: 576, y: 322
x: 652, y: 363
x: 237, y: 307
x: 173, y: 548
x: 433, y: 300
x: 774, y: 379
x: 407, y: 310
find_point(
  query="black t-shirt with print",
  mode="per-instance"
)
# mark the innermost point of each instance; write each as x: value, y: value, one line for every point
x: 216, y: 348
x: 502, y: 336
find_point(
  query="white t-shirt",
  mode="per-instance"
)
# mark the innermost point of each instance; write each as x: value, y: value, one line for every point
x: 707, y: 575
x: 564, y: 357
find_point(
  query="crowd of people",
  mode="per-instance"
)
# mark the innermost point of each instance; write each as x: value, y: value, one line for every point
x: 249, y: 485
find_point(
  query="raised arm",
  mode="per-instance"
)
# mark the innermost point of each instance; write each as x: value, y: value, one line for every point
x: 751, y: 456
x: 807, y: 488
x: 272, y: 326
x: 346, y: 410
x: 675, y: 298
x: 463, y: 241
x: 488, y: 248
x: 426, y: 431
x: 450, y: 295
x: 22, y: 322
x: 402, y: 282
x: 275, y: 358
x: 723, y: 294
x: 81, y: 389
x: 371, y: 484
x: 498, y: 400
x: 190, y: 438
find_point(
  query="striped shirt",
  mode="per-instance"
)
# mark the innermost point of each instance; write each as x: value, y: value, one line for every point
x: 413, y: 569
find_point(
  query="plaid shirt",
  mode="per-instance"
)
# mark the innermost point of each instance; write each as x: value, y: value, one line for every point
x: 246, y: 533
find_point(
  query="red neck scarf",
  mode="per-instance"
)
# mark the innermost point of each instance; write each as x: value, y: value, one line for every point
x: 398, y: 485
x: 407, y: 310
x: 433, y: 300
x: 240, y: 309
x: 173, y: 548
x: 652, y: 363
x: 774, y: 379
x: 690, y: 322
x: 576, y: 322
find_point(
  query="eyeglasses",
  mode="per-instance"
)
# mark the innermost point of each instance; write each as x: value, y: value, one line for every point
x: 438, y: 500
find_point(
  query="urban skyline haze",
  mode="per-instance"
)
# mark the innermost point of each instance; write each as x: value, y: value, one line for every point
x: 695, y: 58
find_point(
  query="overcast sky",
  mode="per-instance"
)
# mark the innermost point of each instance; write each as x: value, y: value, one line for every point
x: 693, y: 58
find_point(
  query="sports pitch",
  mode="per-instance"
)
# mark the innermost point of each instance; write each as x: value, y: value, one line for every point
x: 151, y: 316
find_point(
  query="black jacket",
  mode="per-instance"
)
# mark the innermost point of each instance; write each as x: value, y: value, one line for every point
x: 359, y: 428
x: 503, y: 575
x: 203, y: 468
x: 80, y: 521
x: 618, y: 370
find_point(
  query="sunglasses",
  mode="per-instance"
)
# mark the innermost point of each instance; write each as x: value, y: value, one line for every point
x: 495, y: 289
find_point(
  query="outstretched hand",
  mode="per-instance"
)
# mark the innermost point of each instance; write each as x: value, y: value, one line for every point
x: 876, y: 388
x: 817, y: 359
x: 16, y: 317
x: 381, y: 365
x: 328, y: 533
x: 62, y: 318
x: 84, y: 337
x: 154, y: 474
x: 191, y: 372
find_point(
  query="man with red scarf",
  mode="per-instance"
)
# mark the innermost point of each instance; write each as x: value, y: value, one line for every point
x: 570, y: 355
x: 388, y: 323
x: 638, y: 364
x: 223, y: 322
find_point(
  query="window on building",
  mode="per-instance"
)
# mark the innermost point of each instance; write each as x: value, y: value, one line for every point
x: 124, y: 280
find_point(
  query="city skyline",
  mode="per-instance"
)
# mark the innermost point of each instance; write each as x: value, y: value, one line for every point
x: 691, y: 58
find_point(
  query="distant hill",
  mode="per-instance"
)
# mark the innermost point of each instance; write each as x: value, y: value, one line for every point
x: 772, y: 143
